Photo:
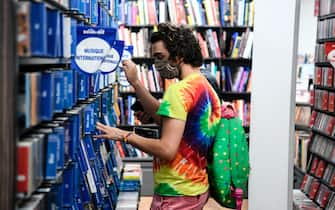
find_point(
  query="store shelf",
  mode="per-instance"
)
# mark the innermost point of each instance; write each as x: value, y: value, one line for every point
x: 205, y: 27
x: 230, y: 96
x: 59, y: 179
x: 323, y: 64
x: 137, y: 159
x: 130, y: 127
x: 143, y: 60
x: 37, y: 61
x: 137, y: 26
x: 56, y: 5
x: 329, y: 16
x: 321, y: 157
x: 236, y: 61
x: 154, y: 94
x: 303, y: 104
x: 224, y: 61
x: 299, y: 171
x: 323, y: 182
x: 207, y: 60
x: 72, y: 13
x: 321, y: 133
x: 325, y: 40
x: 302, y: 127
x: 325, y: 112
x: 320, y: 87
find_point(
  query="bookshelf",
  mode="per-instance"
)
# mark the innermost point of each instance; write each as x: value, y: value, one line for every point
x: 303, y: 110
x: 137, y: 33
x: 318, y: 178
x: 58, y: 163
x: 88, y: 172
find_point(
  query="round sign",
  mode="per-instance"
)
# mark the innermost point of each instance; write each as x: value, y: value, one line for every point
x: 90, y: 53
x: 110, y: 62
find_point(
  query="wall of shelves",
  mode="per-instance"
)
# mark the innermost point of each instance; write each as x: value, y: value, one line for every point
x: 315, y: 186
x: 34, y: 65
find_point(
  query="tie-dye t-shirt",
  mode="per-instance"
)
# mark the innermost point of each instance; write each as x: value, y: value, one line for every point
x: 194, y: 101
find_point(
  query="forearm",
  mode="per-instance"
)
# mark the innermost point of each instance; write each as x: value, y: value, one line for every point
x: 149, y: 103
x: 154, y: 147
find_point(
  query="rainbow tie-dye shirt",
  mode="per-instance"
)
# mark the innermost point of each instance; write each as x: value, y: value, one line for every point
x: 194, y: 101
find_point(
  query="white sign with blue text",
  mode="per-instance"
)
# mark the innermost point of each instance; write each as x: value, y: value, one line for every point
x: 97, y: 50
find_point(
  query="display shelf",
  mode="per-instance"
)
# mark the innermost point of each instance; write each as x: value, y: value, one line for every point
x: 323, y: 64
x: 32, y: 62
x: 142, y: 60
x: 227, y: 96
x: 59, y: 179
x: 302, y: 127
x: 325, y: 112
x: 323, y: 134
x: 154, y: 94
x: 137, y: 159
x: 224, y: 61
x: 329, y: 16
x: 196, y: 27
x: 323, y: 182
x: 299, y: 171
x: 303, y: 104
x: 154, y: 126
x: 230, y: 96
x: 320, y: 41
x: 323, y: 158
x: 236, y: 61
x: 71, y: 13
x: 320, y: 87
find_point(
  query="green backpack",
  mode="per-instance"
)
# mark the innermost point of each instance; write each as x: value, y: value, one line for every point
x: 228, y: 163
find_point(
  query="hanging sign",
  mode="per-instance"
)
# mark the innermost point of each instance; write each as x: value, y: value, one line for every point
x: 113, y: 57
x: 97, y: 49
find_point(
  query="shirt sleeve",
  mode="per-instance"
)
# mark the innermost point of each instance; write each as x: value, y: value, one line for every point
x: 173, y: 104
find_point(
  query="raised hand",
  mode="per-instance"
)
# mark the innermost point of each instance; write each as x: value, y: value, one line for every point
x: 130, y: 69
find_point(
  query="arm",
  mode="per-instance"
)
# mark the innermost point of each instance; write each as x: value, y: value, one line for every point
x: 164, y: 148
x: 167, y: 146
x: 150, y: 104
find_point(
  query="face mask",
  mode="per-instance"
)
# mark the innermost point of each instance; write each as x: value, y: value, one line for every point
x: 165, y: 69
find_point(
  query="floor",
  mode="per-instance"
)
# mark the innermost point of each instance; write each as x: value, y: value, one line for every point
x: 211, y: 204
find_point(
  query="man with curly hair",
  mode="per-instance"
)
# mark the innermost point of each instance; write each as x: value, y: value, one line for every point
x: 189, y: 115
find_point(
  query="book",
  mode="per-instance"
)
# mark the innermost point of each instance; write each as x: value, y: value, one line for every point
x: 38, y: 33
x: 23, y: 29
x: 47, y: 95
x: 25, y: 168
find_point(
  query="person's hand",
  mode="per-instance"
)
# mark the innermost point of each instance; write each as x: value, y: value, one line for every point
x: 130, y: 69
x: 144, y: 117
x: 109, y: 132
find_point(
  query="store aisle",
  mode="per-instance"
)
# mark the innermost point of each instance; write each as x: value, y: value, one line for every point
x: 211, y: 204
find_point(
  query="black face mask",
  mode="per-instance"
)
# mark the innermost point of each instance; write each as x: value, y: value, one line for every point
x: 166, y: 70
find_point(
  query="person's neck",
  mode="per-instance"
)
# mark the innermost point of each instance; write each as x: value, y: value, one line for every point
x: 187, y: 69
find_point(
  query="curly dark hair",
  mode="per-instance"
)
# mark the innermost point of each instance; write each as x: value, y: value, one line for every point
x: 179, y: 41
